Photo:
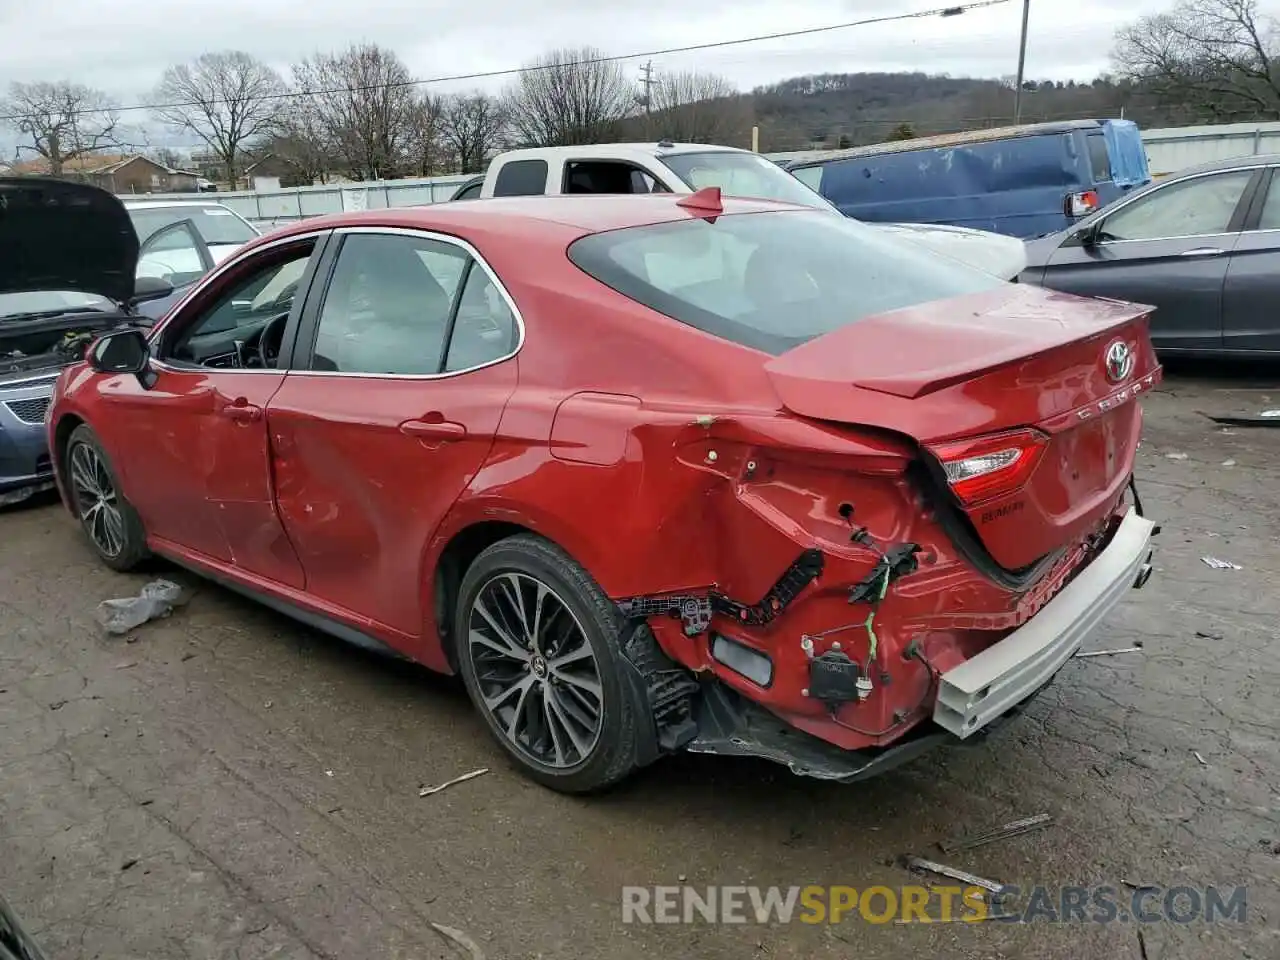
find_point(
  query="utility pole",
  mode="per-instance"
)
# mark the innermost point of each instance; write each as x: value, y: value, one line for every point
x: 1022, y: 62
x: 647, y: 82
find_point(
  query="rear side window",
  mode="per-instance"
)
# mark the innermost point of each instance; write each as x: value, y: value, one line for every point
x: 771, y: 281
x: 521, y: 178
x: 1099, y: 158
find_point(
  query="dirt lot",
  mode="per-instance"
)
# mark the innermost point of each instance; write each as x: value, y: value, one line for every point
x: 233, y: 785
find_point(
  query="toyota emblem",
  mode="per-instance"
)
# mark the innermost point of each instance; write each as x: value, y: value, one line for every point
x: 1119, y: 361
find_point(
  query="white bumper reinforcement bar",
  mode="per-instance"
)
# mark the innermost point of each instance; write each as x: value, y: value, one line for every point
x: 983, y: 688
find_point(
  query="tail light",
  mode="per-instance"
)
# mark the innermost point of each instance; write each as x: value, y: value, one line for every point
x: 989, y: 467
x: 1081, y: 204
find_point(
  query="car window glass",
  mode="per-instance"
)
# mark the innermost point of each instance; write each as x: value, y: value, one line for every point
x: 485, y: 328
x: 469, y: 193
x: 521, y: 178
x: 217, y: 225
x: 742, y: 175
x: 772, y: 281
x: 1190, y: 208
x: 1270, y: 219
x: 606, y: 176
x: 387, y: 307
x: 1099, y: 159
x: 247, y: 303
x: 172, y: 254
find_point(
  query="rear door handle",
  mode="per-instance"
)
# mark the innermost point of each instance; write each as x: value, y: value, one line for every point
x: 433, y: 429
x: 242, y: 412
x: 1202, y: 252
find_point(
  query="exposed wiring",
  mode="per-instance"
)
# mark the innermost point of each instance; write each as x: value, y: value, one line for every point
x: 929, y: 691
x: 948, y: 11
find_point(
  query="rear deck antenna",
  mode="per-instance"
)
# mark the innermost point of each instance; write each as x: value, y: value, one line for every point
x: 705, y: 201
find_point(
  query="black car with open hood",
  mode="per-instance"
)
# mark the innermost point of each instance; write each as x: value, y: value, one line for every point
x: 68, y: 254
x: 68, y: 259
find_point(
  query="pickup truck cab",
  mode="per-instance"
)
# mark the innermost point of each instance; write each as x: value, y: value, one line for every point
x: 667, y: 167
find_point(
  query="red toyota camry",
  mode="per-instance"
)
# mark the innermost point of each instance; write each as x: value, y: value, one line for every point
x: 651, y: 473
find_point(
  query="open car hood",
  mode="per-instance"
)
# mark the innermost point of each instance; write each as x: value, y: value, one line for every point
x: 56, y: 235
x: 994, y: 253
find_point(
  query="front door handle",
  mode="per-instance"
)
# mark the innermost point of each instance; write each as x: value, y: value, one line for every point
x: 241, y: 411
x: 1202, y: 252
x: 433, y: 429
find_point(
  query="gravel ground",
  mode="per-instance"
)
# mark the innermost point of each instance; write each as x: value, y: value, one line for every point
x: 232, y: 785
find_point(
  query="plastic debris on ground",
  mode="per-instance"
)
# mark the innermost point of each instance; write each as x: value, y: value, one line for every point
x: 1175, y: 456
x: 157, y: 599
x: 459, y: 938
x: 428, y: 791
x: 1220, y: 564
x: 1136, y: 648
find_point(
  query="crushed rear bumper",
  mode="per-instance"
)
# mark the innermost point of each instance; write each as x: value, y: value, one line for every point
x: 983, y: 688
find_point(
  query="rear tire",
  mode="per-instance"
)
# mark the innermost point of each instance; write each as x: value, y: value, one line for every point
x: 538, y: 648
x: 112, y: 526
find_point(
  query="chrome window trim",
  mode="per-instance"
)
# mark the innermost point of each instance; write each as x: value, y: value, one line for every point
x: 1120, y: 205
x: 412, y: 232
x: 428, y: 234
x: 213, y: 275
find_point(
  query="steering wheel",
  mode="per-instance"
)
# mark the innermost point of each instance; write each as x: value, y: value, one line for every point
x: 267, y: 348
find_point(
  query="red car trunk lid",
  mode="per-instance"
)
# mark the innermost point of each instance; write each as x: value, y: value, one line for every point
x: 1044, y: 380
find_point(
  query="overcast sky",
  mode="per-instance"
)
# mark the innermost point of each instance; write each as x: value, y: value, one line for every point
x: 123, y: 46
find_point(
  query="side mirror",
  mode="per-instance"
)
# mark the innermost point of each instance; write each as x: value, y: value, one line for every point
x: 125, y: 351
x: 1088, y: 236
x: 150, y: 288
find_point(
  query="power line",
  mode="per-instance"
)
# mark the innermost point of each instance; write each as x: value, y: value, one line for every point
x: 948, y: 11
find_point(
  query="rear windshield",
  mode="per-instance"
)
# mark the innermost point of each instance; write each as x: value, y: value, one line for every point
x: 775, y: 280
x: 217, y: 225
x: 742, y: 175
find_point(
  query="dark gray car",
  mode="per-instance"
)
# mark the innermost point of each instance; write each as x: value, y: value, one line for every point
x: 1202, y: 246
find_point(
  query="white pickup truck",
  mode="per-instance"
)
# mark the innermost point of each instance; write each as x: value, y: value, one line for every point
x: 667, y: 167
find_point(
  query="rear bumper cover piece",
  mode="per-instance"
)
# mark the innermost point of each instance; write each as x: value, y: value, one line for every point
x: 973, y: 694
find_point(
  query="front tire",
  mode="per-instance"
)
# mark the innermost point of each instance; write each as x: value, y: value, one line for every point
x: 538, y: 649
x: 109, y: 521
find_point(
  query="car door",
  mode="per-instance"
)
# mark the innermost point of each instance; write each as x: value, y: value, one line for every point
x: 1250, y: 320
x: 201, y: 480
x: 408, y: 361
x: 1168, y: 247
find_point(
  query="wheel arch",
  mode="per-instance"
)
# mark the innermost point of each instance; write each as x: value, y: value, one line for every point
x: 472, y: 527
x: 66, y: 425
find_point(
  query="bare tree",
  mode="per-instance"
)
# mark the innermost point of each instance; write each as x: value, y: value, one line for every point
x: 363, y: 102
x: 425, y: 142
x: 568, y: 97
x: 226, y: 99
x: 470, y: 127
x: 1217, y: 57
x: 303, y: 141
x: 698, y: 107
x: 61, y: 122
x: 166, y: 156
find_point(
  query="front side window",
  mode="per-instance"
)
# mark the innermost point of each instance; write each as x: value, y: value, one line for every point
x: 1202, y: 206
x: 388, y: 305
x: 771, y: 281
x: 742, y: 175
x: 263, y: 290
x: 173, y: 254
